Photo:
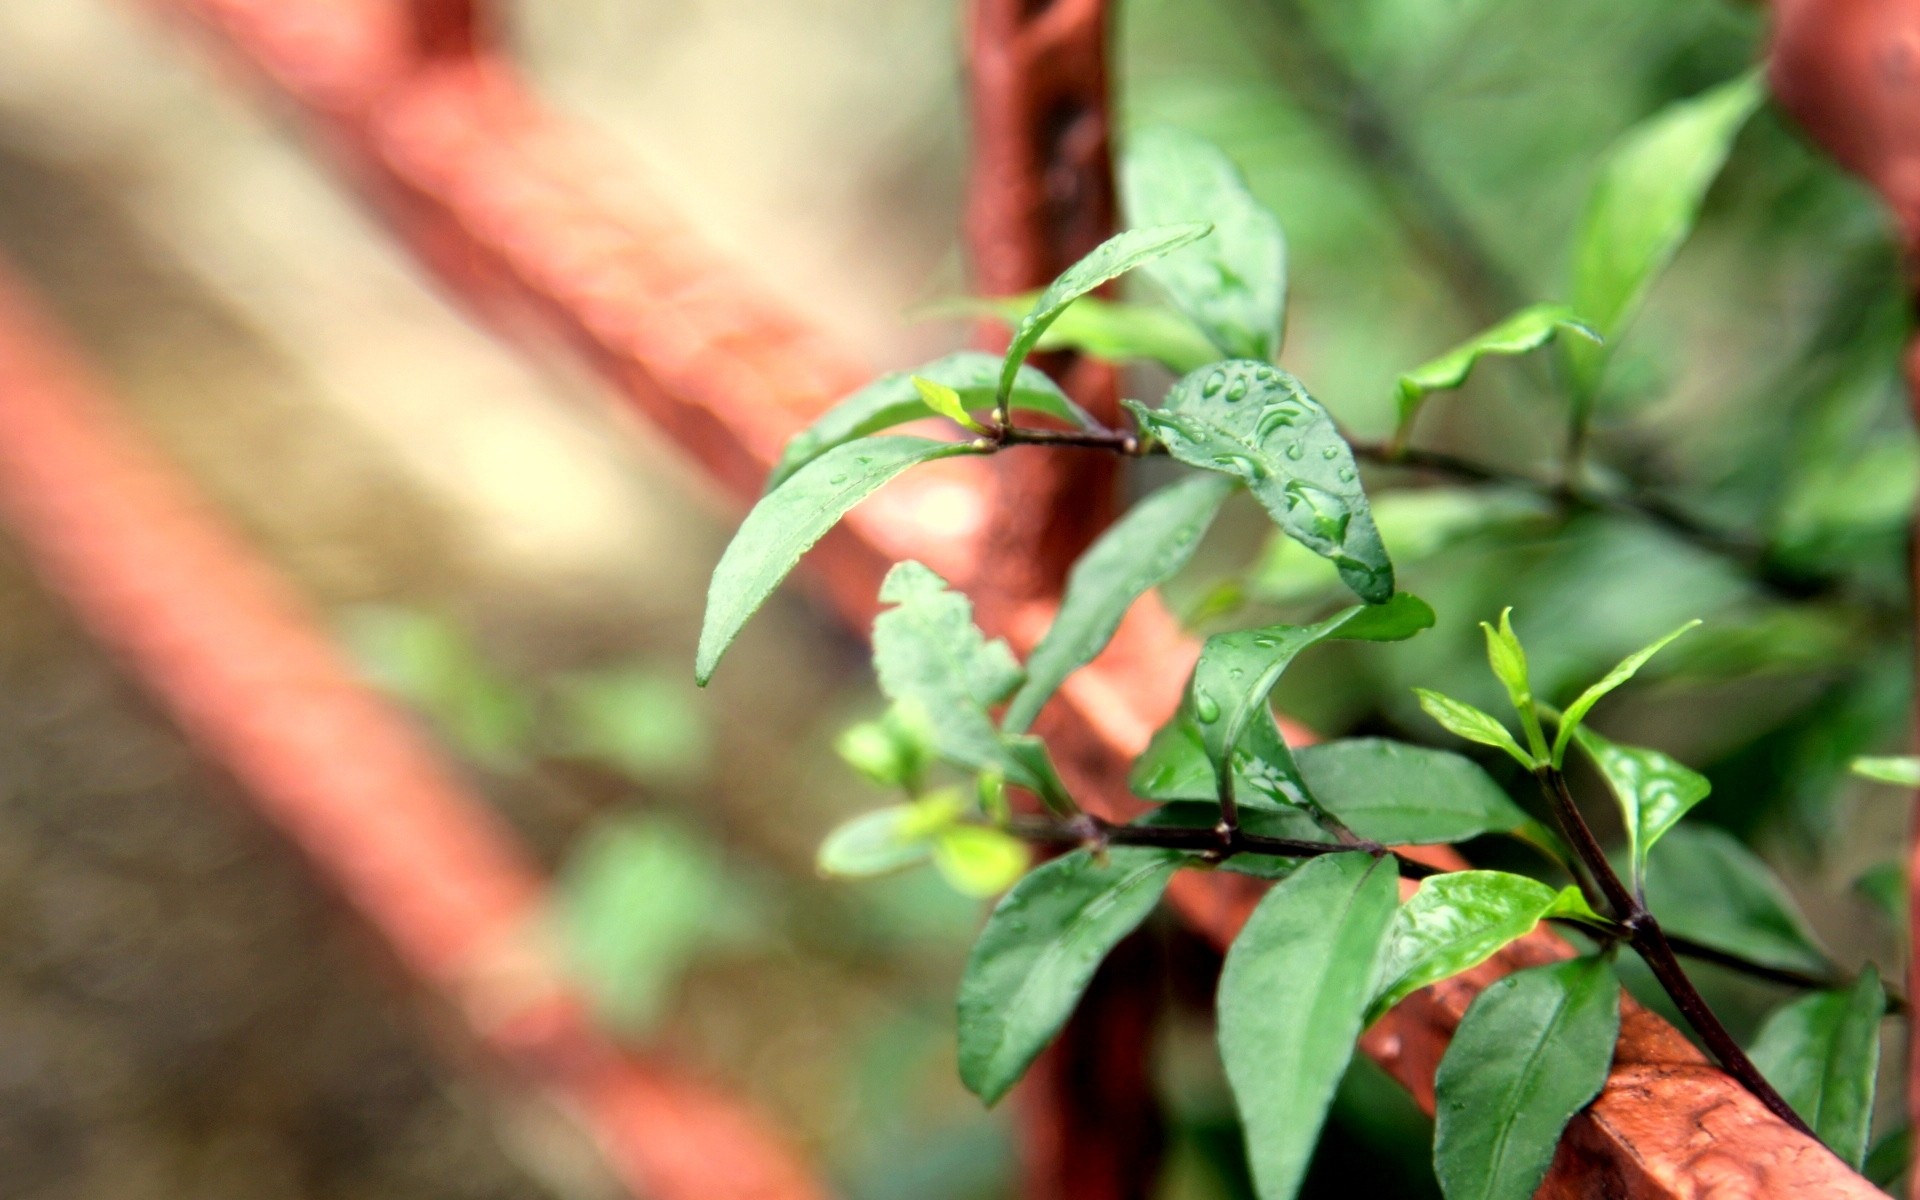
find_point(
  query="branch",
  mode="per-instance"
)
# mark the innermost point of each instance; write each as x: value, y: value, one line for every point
x: 1215, y: 844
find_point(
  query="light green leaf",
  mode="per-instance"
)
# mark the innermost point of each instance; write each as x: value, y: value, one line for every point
x: 1653, y: 789
x: 1039, y: 949
x: 1110, y: 330
x: 1534, y: 1048
x: 1644, y: 205
x: 1238, y: 670
x: 894, y: 400
x: 1822, y: 1053
x: 1256, y: 423
x: 1625, y: 670
x: 1509, y: 663
x: 432, y: 664
x: 1293, y: 994
x: 1234, y: 284
x: 930, y: 655
x: 979, y: 861
x: 888, y: 839
x: 1109, y: 260
x: 1142, y: 550
x: 786, y: 523
x: 642, y: 722
x: 946, y: 402
x: 1704, y: 885
x: 1898, y: 770
x: 1464, y: 720
x: 893, y: 751
x: 1456, y: 921
x: 1524, y: 331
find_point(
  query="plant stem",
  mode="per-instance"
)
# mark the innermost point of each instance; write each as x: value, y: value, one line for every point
x: 1650, y: 943
x: 1216, y: 843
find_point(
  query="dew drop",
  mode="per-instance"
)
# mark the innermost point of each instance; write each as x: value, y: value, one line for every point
x: 836, y: 480
x: 1346, y: 474
x: 1295, y: 451
x: 1330, y: 452
x: 1206, y: 708
x: 1215, y: 382
x: 1324, y: 514
x: 1238, y: 390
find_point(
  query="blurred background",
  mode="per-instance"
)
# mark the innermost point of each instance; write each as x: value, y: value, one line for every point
x: 185, y: 1013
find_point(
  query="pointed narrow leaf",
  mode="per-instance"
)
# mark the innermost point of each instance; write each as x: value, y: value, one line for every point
x: 1142, y: 550
x: 1464, y: 720
x: 1456, y: 921
x: 894, y: 400
x: 1898, y: 770
x: 1110, y: 330
x: 1234, y: 284
x: 1524, y: 331
x: 1509, y: 662
x: 1822, y: 1053
x: 1038, y: 951
x: 1109, y: 260
x: 1238, y: 670
x: 1256, y: 423
x: 785, y: 524
x: 1532, y: 1051
x: 946, y: 402
x: 1704, y: 885
x: 1654, y: 791
x: 1292, y: 995
x: 1645, y: 204
x: 1625, y: 670
x: 888, y: 839
x: 930, y: 655
x: 1175, y: 766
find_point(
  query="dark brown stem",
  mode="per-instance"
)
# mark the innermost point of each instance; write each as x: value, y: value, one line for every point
x: 1215, y: 843
x: 1650, y: 943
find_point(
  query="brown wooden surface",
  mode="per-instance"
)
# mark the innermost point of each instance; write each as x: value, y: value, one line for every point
x: 522, y: 214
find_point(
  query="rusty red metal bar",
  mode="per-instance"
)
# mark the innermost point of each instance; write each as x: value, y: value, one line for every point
x: 523, y: 216
x: 247, y: 673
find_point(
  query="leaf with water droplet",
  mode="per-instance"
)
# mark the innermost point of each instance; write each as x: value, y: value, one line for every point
x: 1260, y: 426
x: 1141, y: 551
x: 1234, y: 284
x: 787, y: 522
x: 1039, y: 949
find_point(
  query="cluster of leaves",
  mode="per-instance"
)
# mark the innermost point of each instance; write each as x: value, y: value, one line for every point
x: 1340, y: 938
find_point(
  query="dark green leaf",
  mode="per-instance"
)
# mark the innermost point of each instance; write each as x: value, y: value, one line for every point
x: 894, y: 400
x: 1822, y: 1053
x: 1704, y: 885
x: 1256, y: 423
x: 1234, y: 284
x: 1456, y: 921
x: 1142, y: 550
x: 1405, y: 795
x: 1884, y: 885
x: 1890, y: 1159
x: 1529, y: 329
x: 1464, y: 720
x: 1109, y: 260
x: 1532, y: 1051
x: 786, y: 523
x: 930, y: 655
x: 1039, y: 949
x: 1176, y: 767
x: 1293, y: 994
x: 1644, y: 205
x: 1622, y: 671
x: 1654, y: 791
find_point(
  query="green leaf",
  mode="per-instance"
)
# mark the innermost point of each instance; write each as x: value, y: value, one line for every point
x: 893, y: 751
x: 1898, y: 770
x: 1238, y: 670
x: 1524, y: 331
x: 930, y: 655
x: 1456, y: 921
x: 1884, y: 886
x: 1256, y: 423
x: 1109, y: 260
x: 978, y: 861
x: 1038, y: 950
x: 946, y: 402
x: 786, y: 523
x: 642, y: 722
x: 1293, y: 994
x: 1464, y: 720
x: 1534, y: 1048
x: 1509, y: 662
x: 894, y: 400
x: 432, y: 664
x: 1654, y: 791
x: 1625, y: 670
x: 1645, y: 204
x: 1890, y: 1158
x: 1234, y: 284
x: 889, y: 839
x: 1142, y: 550
x: 1822, y: 1053
x: 1175, y: 765
x: 1111, y: 330
x: 1704, y: 885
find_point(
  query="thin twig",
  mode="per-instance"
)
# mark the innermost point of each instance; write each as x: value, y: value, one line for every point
x: 1214, y: 843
